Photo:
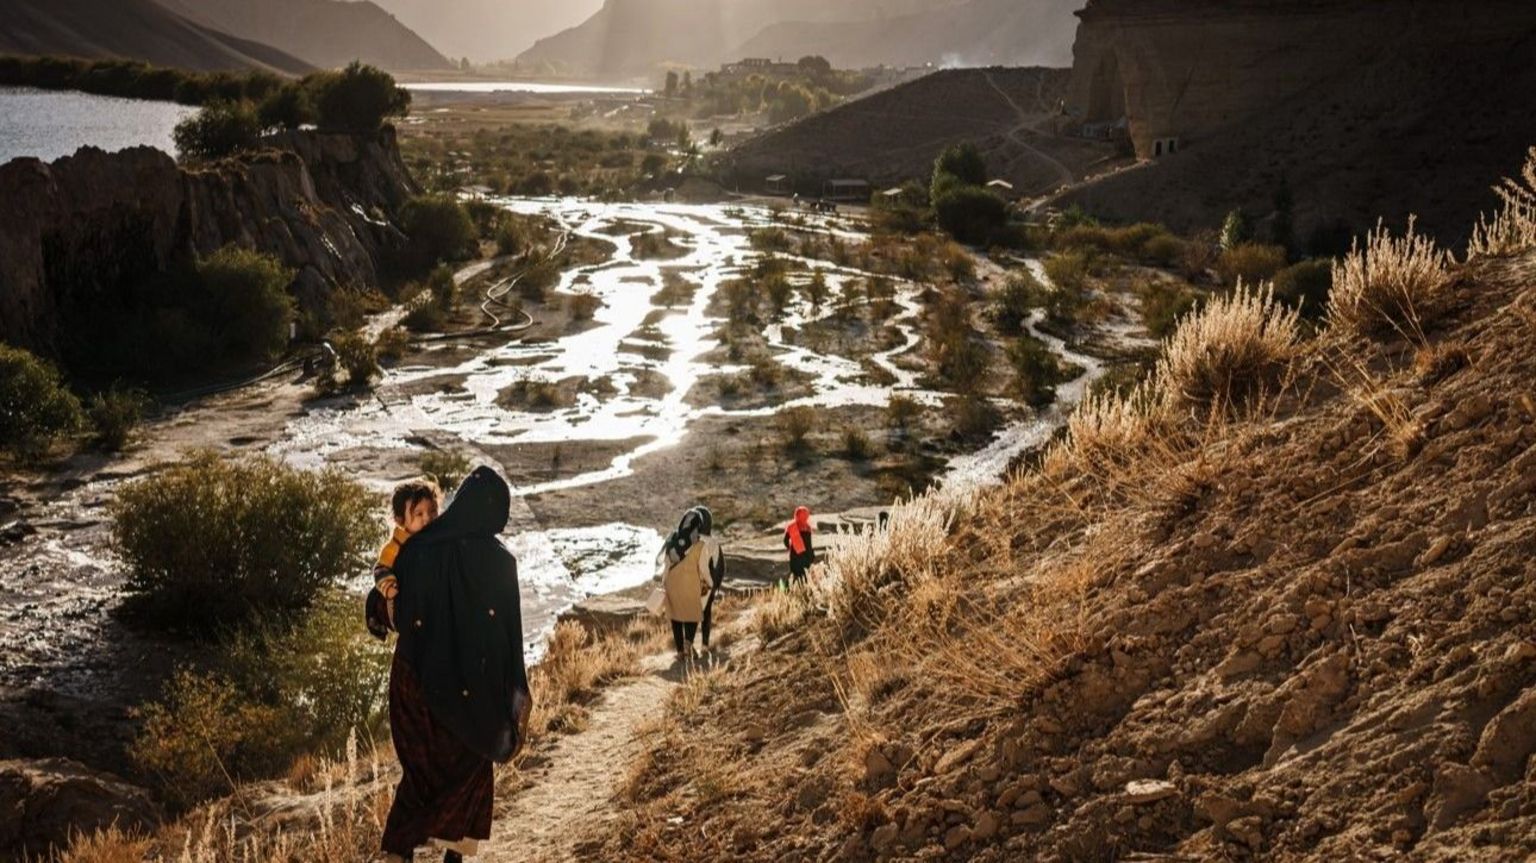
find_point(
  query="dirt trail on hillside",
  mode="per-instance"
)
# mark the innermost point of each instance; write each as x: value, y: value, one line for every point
x: 1027, y: 123
x: 572, y: 789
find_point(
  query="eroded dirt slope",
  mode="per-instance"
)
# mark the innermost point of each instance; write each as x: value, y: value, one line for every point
x: 1310, y: 639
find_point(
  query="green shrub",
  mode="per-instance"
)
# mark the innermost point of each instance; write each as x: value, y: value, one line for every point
x: 392, y: 344
x: 1164, y: 250
x: 115, y: 413
x: 356, y: 99
x: 970, y: 214
x: 439, y: 229
x: 263, y: 700
x: 1036, y: 371
x: 287, y: 107
x: 422, y: 315
x: 1163, y: 304
x: 779, y: 292
x: 1235, y: 230
x: 269, y: 538
x: 1068, y: 272
x: 1250, y: 263
x: 220, y: 129
x: 510, y: 238
x: 816, y: 290
x: 357, y: 356
x: 1305, y: 286
x: 901, y: 411
x: 975, y: 417
x: 959, y: 165
x: 447, y: 468
x: 35, y: 407
x: 443, y: 287
x: 856, y: 444
x: 1014, y: 302
x: 795, y: 427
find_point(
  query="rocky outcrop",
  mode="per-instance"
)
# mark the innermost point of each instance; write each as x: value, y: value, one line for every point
x: 1364, y: 109
x: 43, y: 803
x: 1189, y: 69
x: 92, y: 224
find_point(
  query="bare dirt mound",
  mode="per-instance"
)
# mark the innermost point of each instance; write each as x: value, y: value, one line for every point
x: 1310, y: 637
x: 895, y: 135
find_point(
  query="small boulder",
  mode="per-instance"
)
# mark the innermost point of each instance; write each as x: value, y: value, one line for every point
x: 44, y: 802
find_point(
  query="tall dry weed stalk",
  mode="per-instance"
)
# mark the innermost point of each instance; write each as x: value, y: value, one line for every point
x: 1231, y: 354
x: 1395, y: 285
x: 1513, y: 228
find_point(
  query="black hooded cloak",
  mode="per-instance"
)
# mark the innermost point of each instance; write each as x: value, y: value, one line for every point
x: 460, y: 621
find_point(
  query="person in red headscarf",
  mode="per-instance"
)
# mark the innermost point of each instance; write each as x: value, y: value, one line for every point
x: 802, y: 551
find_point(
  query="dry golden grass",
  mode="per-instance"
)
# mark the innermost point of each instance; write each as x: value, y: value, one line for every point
x: 1231, y: 354
x: 108, y: 846
x: 575, y: 666
x: 1513, y: 228
x: 1395, y: 285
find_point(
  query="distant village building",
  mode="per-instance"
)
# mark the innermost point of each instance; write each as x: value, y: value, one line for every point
x: 778, y: 184
x: 1000, y: 186
x: 846, y: 190
x: 758, y: 66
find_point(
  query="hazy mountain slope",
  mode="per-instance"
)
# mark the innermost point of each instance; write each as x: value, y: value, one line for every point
x: 978, y: 33
x: 489, y: 30
x: 632, y: 37
x: 326, y: 33
x: 138, y: 29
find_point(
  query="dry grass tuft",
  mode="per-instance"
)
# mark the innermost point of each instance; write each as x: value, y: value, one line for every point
x: 1513, y: 229
x: 1107, y: 433
x: 1393, y: 285
x: 574, y: 667
x: 1231, y: 354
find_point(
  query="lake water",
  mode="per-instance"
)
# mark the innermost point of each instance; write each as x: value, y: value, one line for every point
x: 534, y: 87
x: 47, y: 124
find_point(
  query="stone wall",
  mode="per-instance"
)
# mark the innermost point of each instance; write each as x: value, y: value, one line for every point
x: 95, y: 223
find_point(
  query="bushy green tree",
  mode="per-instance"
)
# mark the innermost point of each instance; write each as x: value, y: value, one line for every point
x: 287, y: 107
x: 970, y: 214
x: 960, y: 165
x: 439, y: 228
x: 242, y: 296
x: 35, y: 407
x: 357, y: 99
x: 269, y: 538
x: 220, y: 129
x: 1235, y: 230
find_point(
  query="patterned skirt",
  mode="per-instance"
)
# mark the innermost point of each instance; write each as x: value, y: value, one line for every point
x: 445, y: 790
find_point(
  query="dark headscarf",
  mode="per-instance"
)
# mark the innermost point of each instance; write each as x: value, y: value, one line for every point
x: 460, y: 621
x: 695, y: 523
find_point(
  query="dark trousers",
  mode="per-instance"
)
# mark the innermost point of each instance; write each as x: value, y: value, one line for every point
x: 683, y: 633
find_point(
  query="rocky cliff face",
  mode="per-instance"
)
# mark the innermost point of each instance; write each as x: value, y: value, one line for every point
x: 1187, y: 70
x: 1363, y: 109
x: 96, y: 223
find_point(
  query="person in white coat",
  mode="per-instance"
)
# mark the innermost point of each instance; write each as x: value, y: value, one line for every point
x: 693, y: 568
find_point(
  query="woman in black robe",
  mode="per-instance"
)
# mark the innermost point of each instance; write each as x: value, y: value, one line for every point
x: 458, y: 689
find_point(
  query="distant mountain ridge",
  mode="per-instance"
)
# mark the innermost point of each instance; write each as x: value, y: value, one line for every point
x: 629, y: 38
x: 137, y: 29
x: 976, y: 33
x: 325, y: 33
x: 486, y: 31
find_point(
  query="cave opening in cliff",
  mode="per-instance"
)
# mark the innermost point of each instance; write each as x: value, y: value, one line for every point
x: 1106, y: 95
